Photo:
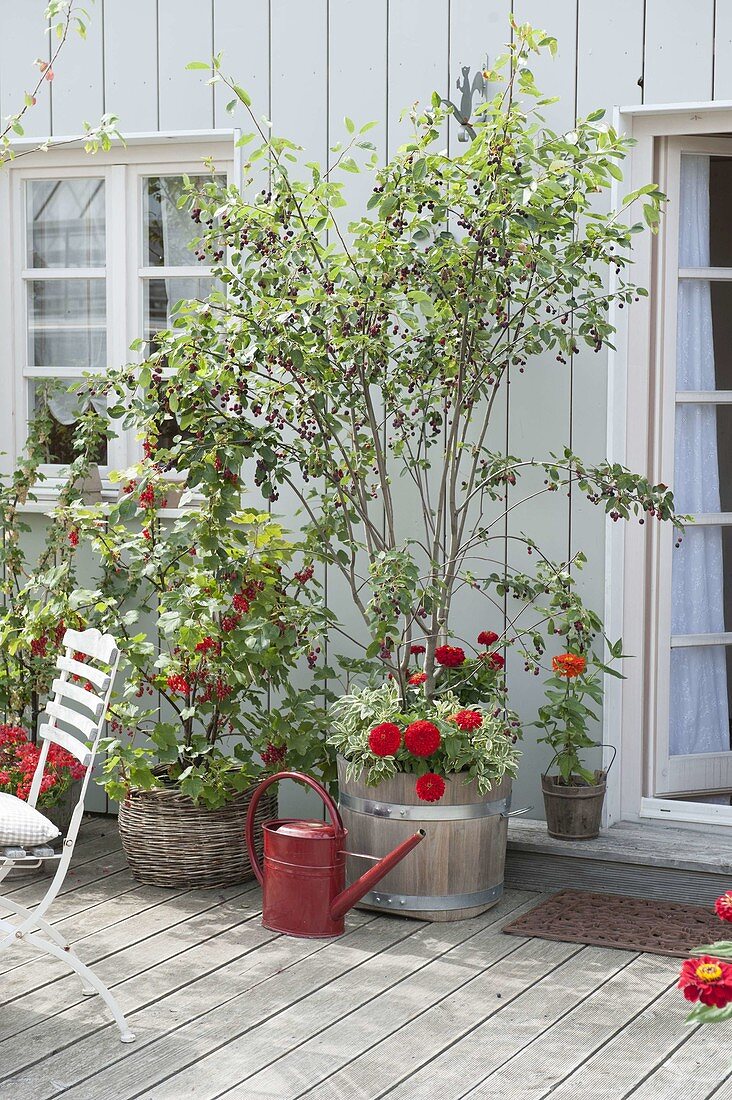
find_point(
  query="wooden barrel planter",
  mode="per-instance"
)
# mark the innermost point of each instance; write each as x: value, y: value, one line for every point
x: 169, y: 841
x: 457, y: 870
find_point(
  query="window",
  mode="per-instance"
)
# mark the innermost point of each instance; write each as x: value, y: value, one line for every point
x: 100, y: 257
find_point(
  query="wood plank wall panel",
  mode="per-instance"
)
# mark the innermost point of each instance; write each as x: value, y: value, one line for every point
x: 479, y: 29
x: 723, y: 50
x: 609, y: 54
x: 185, y: 33
x: 241, y: 35
x: 77, y: 92
x: 299, y: 111
x: 679, y: 51
x: 23, y: 37
x: 131, y: 63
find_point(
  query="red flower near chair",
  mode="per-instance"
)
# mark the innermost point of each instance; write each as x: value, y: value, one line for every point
x: 422, y: 738
x: 430, y: 787
x: 707, y: 980
x: 385, y: 739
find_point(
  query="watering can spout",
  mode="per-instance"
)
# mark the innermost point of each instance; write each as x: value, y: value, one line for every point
x: 353, y: 893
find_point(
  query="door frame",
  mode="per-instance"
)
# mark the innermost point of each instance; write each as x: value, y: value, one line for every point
x: 634, y: 577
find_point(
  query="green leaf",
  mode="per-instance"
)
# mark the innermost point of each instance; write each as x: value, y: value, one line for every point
x: 198, y: 65
x: 350, y: 124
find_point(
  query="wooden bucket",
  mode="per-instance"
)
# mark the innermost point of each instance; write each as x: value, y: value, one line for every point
x: 457, y: 870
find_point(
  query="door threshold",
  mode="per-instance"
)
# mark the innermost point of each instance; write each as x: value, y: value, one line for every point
x: 680, y: 811
x: 643, y: 859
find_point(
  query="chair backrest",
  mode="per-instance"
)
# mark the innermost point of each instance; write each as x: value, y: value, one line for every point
x: 86, y: 671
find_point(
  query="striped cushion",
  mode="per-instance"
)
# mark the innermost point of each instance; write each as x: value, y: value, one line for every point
x: 21, y: 825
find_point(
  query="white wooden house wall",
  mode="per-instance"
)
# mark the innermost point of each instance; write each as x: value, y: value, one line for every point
x: 307, y: 63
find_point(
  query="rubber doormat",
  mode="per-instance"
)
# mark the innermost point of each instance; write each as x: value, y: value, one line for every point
x: 612, y: 920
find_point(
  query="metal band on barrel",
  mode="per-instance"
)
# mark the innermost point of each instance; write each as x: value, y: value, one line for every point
x: 468, y: 811
x: 425, y: 903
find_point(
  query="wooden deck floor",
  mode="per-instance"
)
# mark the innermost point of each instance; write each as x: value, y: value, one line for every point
x: 395, y: 1008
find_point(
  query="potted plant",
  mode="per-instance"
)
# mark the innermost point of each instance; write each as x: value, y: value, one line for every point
x: 574, y: 795
x: 211, y: 618
x: 342, y: 364
x: 444, y: 760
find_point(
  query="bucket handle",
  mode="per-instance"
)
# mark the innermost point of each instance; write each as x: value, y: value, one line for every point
x: 335, y: 817
x: 516, y: 813
x: 596, y: 745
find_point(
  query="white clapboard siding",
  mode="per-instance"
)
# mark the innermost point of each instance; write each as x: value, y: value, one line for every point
x: 723, y: 50
x: 131, y: 63
x: 609, y: 54
x: 77, y: 91
x: 185, y: 34
x: 241, y: 35
x: 679, y: 51
x: 23, y: 38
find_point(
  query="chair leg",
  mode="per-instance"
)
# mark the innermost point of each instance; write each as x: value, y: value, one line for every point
x: 90, y: 982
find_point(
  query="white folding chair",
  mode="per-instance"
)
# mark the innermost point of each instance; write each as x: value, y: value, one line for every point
x: 93, y: 696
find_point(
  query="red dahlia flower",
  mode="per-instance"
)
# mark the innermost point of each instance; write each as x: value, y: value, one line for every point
x: 417, y: 649
x: 467, y: 719
x: 385, y: 739
x: 569, y: 665
x: 494, y: 660
x: 449, y: 655
x: 430, y: 787
x: 722, y: 905
x: 417, y: 678
x: 422, y: 738
x: 707, y: 980
x: 487, y: 637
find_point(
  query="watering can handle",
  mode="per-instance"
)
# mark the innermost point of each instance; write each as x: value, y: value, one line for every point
x: 300, y: 778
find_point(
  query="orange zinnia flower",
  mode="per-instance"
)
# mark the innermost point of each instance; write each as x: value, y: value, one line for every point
x: 569, y: 665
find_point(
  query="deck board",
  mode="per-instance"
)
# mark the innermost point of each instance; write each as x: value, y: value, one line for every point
x: 224, y: 1008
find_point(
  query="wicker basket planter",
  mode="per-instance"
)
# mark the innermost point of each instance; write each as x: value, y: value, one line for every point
x: 169, y: 841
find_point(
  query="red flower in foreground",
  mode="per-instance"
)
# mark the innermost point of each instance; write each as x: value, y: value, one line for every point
x: 723, y: 906
x: 569, y: 665
x: 467, y: 719
x: 417, y: 678
x: 449, y: 655
x: 430, y: 787
x: 422, y: 738
x: 487, y: 637
x: 385, y: 739
x: 707, y: 980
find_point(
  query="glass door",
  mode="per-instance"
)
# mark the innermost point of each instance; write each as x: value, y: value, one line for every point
x: 693, y: 743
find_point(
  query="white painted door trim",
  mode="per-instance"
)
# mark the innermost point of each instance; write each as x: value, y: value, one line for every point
x: 635, y: 397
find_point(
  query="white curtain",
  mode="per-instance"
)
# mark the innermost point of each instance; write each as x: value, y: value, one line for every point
x: 699, y: 709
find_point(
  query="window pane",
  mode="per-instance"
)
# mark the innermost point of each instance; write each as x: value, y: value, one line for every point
x: 704, y: 354
x: 65, y: 223
x: 162, y: 295
x: 702, y: 581
x: 703, y: 458
x: 720, y: 200
x: 67, y: 323
x: 169, y: 230
x: 63, y: 408
x: 700, y: 702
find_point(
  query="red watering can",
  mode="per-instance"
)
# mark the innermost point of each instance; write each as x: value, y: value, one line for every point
x: 304, y: 875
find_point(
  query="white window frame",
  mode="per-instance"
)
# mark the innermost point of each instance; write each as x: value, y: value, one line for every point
x: 123, y: 169
x: 640, y: 433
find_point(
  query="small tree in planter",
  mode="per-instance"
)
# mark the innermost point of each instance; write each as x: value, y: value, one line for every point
x: 346, y: 367
x: 210, y: 620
